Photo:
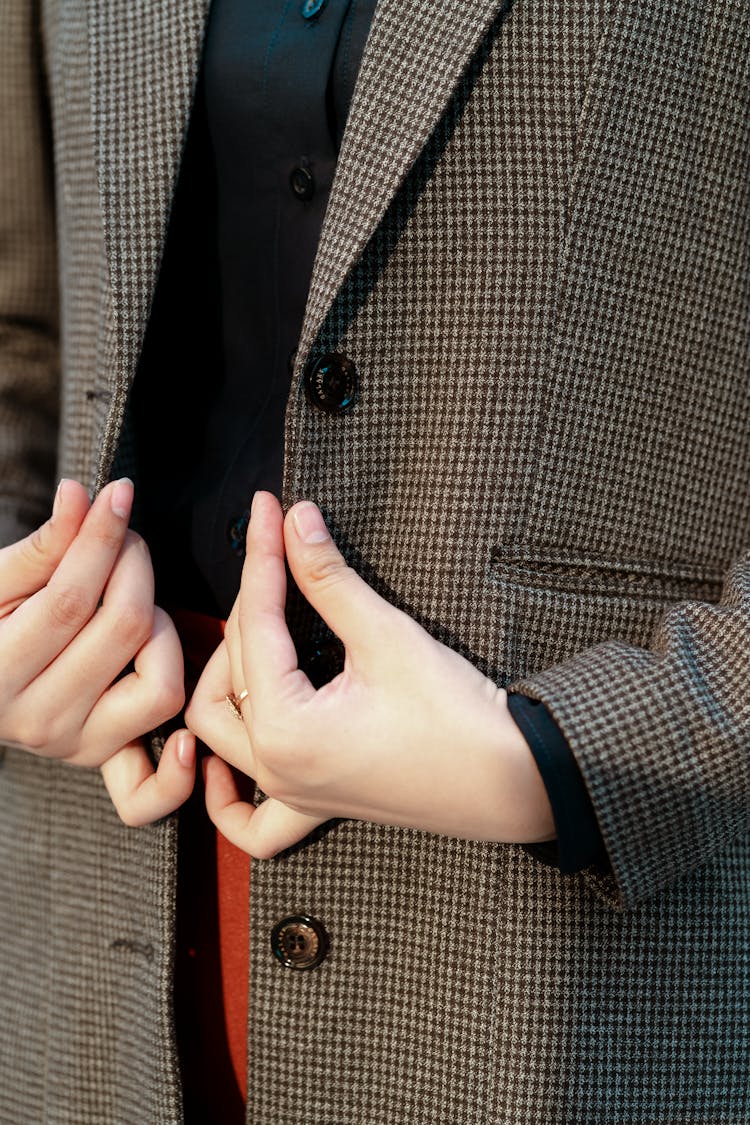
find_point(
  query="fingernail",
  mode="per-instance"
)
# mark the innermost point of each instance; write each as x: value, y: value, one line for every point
x: 122, y: 498
x: 59, y: 493
x: 185, y: 749
x: 309, y: 523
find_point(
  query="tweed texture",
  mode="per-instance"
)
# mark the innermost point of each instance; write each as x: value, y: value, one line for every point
x: 28, y: 297
x: 536, y: 253
x: 543, y: 317
x: 668, y: 349
x: 86, y: 906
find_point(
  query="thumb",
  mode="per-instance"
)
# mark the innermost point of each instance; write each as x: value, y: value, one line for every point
x: 261, y: 832
x: 344, y: 600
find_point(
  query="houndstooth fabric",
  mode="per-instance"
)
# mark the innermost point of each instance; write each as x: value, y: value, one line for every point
x: 536, y: 254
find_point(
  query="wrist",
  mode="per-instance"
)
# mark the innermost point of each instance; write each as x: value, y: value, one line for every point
x: 512, y: 805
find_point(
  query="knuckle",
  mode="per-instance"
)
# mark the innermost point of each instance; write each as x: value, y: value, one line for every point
x: 327, y: 571
x: 134, y: 542
x: 197, y: 717
x: 192, y: 717
x: 167, y: 700
x: 132, y: 537
x: 133, y: 625
x: 37, y: 733
x: 109, y: 537
x: 175, y: 698
x: 34, y: 547
x: 127, y: 813
x: 260, y: 847
x: 31, y: 735
x: 70, y: 606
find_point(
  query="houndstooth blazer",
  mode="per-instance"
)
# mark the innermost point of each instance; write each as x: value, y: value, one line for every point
x: 536, y: 252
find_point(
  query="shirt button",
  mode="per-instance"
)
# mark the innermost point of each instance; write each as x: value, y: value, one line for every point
x: 299, y: 942
x: 236, y: 532
x: 331, y: 383
x: 322, y: 662
x: 302, y: 183
x: 312, y: 8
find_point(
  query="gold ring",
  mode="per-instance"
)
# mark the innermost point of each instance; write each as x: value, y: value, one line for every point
x: 234, y: 701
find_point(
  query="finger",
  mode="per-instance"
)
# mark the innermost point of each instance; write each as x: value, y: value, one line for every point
x: 41, y: 628
x: 269, y: 658
x: 150, y: 695
x: 261, y: 832
x: 141, y: 794
x: 346, y: 603
x: 83, y: 671
x: 210, y: 718
x: 28, y: 565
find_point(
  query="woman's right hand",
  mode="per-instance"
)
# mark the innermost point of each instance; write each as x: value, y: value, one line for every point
x: 76, y: 608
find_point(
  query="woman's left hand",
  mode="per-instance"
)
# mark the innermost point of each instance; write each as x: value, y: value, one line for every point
x: 410, y: 733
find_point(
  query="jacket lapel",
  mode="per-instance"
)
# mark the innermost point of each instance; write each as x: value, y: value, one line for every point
x: 144, y: 59
x: 415, y: 55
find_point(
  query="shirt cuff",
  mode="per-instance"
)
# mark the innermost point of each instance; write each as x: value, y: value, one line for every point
x: 579, y: 841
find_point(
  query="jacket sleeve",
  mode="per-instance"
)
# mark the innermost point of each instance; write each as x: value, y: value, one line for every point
x: 662, y: 739
x: 29, y: 362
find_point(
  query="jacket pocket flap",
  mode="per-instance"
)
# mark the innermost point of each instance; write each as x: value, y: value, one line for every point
x: 550, y: 568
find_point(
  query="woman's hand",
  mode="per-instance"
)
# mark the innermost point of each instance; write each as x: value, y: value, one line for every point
x: 76, y: 608
x: 409, y: 733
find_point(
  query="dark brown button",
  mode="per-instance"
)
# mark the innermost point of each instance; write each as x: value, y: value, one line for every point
x: 323, y: 661
x: 299, y: 942
x: 331, y: 383
x: 302, y: 183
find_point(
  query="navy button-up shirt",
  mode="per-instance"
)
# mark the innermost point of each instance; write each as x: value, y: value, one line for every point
x: 276, y: 83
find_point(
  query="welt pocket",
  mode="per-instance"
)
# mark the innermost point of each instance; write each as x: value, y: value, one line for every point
x: 596, y: 574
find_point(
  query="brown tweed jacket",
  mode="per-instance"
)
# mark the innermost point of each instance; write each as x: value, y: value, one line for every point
x: 536, y: 252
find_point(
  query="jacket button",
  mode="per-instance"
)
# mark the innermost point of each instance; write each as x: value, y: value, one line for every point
x: 299, y: 942
x: 322, y: 662
x: 331, y: 383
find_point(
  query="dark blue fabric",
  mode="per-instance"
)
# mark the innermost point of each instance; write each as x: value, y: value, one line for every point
x: 214, y: 378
